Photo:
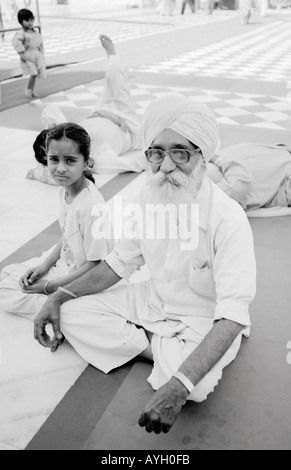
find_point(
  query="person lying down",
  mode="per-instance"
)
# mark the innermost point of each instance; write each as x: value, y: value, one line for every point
x: 113, y: 124
x: 255, y: 175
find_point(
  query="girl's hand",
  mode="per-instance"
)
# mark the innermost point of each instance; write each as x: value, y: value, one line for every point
x: 35, y: 288
x: 32, y: 275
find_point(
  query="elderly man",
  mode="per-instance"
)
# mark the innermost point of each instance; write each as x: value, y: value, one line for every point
x: 190, y: 315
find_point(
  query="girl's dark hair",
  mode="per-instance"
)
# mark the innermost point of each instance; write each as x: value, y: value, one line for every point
x: 39, y: 147
x: 78, y: 135
x: 24, y: 14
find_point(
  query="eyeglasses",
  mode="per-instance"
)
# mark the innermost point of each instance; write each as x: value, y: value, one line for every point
x: 179, y: 156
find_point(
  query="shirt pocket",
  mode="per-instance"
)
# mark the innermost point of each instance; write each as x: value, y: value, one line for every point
x: 201, y: 280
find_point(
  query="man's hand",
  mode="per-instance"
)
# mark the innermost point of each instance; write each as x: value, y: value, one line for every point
x: 164, y: 408
x: 50, y: 313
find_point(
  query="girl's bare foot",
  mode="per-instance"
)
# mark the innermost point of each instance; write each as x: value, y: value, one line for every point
x: 107, y: 44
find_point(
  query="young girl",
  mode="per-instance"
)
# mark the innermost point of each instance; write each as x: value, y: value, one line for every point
x: 24, y: 287
x: 28, y: 43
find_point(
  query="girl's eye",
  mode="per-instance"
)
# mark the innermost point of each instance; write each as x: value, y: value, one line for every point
x: 53, y: 159
x: 70, y: 160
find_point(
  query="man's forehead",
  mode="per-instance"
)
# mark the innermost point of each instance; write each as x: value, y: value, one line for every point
x: 170, y: 137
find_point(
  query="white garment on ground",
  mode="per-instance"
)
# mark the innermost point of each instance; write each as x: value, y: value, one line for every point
x: 187, y: 291
x: 269, y: 212
x: 52, y: 116
x: 255, y: 175
x: 78, y: 246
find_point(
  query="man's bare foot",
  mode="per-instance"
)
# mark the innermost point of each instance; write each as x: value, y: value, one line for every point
x: 107, y: 44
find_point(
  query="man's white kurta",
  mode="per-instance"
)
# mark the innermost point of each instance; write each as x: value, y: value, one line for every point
x: 214, y: 281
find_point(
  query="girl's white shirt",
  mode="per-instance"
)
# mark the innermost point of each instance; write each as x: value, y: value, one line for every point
x: 80, y: 242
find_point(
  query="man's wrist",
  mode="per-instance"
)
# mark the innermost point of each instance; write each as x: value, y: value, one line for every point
x: 51, y: 287
x: 184, y: 380
x: 59, y: 297
x: 179, y: 388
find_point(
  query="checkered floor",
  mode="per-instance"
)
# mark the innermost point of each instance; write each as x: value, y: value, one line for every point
x: 245, y: 109
x: 261, y: 54
x: 64, y: 36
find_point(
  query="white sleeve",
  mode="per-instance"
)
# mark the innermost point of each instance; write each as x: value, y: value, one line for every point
x: 126, y: 257
x: 95, y: 247
x: 18, y: 41
x: 234, y: 271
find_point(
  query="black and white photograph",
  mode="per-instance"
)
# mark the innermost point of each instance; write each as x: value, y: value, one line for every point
x: 145, y: 227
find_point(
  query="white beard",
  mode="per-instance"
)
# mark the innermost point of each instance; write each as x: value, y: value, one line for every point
x: 176, y: 187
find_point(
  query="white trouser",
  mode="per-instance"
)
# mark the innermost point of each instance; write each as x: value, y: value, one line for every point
x: 123, y: 128
x: 116, y: 94
x: 13, y: 299
x: 107, y: 330
x: 114, y: 118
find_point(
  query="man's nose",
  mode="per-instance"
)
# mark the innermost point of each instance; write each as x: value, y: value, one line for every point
x: 167, y: 165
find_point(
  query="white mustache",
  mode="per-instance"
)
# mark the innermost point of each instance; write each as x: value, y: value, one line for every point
x: 176, y: 177
x: 176, y: 187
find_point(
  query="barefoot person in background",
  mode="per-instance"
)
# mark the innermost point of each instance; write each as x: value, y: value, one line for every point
x: 113, y: 122
x: 29, y: 45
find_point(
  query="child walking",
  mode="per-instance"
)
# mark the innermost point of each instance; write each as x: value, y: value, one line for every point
x: 29, y: 45
x: 24, y: 287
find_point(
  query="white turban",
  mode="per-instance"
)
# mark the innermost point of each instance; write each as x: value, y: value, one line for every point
x: 193, y: 120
